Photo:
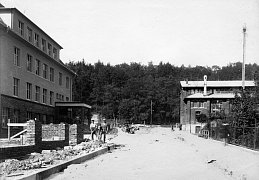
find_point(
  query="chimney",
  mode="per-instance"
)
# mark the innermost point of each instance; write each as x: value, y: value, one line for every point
x: 205, y: 86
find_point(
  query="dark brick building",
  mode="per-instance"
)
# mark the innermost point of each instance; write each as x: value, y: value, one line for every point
x: 204, y: 97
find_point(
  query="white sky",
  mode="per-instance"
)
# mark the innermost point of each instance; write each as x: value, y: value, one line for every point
x: 189, y: 32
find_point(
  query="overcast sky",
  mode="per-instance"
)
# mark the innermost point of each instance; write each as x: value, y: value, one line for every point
x: 189, y: 32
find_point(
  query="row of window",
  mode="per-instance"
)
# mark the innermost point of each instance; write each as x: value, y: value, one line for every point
x: 39, y: 92
x: 14, y: 116
x: 194, y: 91
x: 198, y: 104
x: 215, y: 106
x: 215, y: 90
x: 40, y: 68
x: 35, y: 39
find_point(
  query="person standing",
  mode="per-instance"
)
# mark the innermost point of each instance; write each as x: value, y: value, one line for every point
x: 104, y: 129
x: 93, y: 129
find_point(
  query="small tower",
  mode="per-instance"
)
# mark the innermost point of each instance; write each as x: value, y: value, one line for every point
x: 205, y: 85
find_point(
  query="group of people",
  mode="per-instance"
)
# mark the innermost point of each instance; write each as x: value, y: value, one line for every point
x: 98, y: 130
x: 177, y: 126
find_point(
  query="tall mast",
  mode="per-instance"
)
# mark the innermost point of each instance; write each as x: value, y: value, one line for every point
x: 244, y: 55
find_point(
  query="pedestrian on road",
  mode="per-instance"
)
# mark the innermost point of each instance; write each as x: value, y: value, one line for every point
x: 93, y: 130
x: 104, y: 129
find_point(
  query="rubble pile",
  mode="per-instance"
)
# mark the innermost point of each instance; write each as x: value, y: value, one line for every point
x: 48, y: 157
x: 130, y: 128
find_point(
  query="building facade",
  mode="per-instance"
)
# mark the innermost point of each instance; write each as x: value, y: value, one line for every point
x: 32, y: 76
x: 205, y: 97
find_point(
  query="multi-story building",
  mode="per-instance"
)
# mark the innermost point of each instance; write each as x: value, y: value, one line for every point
x: 205, y: 97
x: 32, y: 76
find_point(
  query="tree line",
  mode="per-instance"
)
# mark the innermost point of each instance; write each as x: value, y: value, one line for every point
x: 125, y: 91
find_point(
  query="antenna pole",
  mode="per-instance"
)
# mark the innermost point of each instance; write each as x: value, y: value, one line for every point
x: 244, y: 55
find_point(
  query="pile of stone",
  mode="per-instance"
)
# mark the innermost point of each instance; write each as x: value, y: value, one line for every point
x: 47, y: 158
x: 130, y: 128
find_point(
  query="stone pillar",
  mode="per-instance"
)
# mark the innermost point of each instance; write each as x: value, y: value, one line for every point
x: 38, y: 133
x: 34, y: 136
x: 66, y: 134
x: 72, y: 134
x: 80, y: 133
x: 30, y: 138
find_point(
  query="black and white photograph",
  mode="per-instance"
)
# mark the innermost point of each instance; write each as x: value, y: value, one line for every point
x: 129, y: 89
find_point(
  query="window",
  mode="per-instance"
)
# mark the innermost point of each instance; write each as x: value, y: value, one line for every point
x: 37, y: 67
x: 37, y: 94
x: 16, y: 115
x: 55, y: 55
x: 29, y: 115
x: 60, y: 79
x: 201, y: 104
x: 36, y: 39
x: 49, y: 49
x: 67, y: 82
x: 16, y: 56
x: 67, y: 98
x: 45, y: 71
x: 43, y: 45
x: 51, y: 74
x: 197, y: 104
x: 59, y: 97
x: 44, y: 96
x: 51, y: 96
x: 5, y: 116
x: 29, y: 62
x: 216, y: 106
x: 16, y: 84
x: 21, y: 28
x: 44, y: 119
x: 29, y: 91
x: 29, y: 34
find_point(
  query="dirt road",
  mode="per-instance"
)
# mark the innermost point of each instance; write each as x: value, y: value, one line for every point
x: 159, y: 153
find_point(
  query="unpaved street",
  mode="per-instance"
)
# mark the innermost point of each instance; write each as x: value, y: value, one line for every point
x: 159, y: 153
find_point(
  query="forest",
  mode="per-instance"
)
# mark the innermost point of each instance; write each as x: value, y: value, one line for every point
x: 143, y: 93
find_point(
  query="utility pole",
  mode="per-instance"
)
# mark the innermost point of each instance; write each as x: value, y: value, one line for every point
x: 244, y: 55
x: 151, y: 113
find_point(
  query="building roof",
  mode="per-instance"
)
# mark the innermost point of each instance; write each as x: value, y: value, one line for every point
x: 10, y: 10
x: 72, y: 104
x: 185, y: 84
x: 212, y: 96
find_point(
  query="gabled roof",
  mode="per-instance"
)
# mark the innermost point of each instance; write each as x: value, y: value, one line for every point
x: 185, y: 84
